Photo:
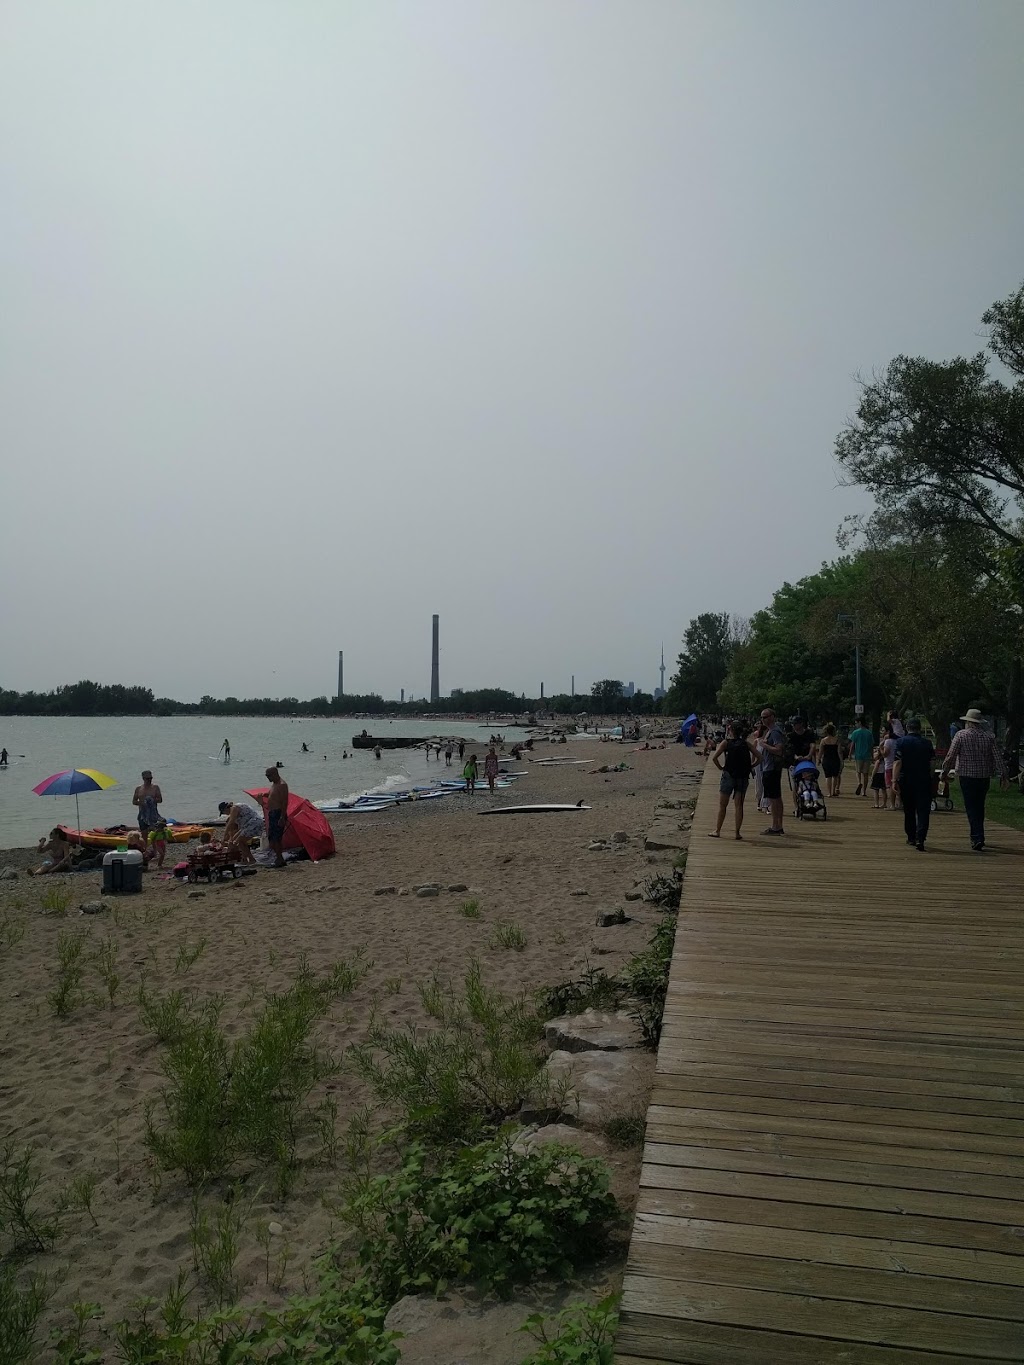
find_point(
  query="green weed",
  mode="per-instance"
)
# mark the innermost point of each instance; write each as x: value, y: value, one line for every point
x: 81, y: 1192
x: 470, y: 909
x: 626, y: 1130
x: 508, y: 935
x: 392, y: 985
x: 67, y: 976
x: 70, y: 1347
x: 21, y: 1307
x: 12, y: 930
x: 171, y: 1016
x: 462, y: 1078
x: 55, y: 900
x: 105, y: 961
x: 583, y: 1335
x: 27, y: 1225
x: 187, y: 955
x: 216, y: 1244
x: 646, y: 978
x: 595, y: 989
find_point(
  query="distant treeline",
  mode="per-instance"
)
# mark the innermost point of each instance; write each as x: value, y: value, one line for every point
x: 98, y: 699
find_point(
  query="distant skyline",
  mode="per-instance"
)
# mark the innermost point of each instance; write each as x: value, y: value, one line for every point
x: 318, y: 319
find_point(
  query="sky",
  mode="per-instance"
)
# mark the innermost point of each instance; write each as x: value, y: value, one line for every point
x: 319, y: 317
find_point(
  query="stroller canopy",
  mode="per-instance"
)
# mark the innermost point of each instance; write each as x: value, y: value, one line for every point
x: 805, y: 768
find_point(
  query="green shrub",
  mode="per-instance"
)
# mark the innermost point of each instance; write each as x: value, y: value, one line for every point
x: 249, y: 1099
x: 55, y: 900
x: 595, y: 989
x: 583, y: 1335
x: 626, y: 1130
x: 460, y: 1080
x: 171, y: 1016
x: 490, y: 1215
x: 646, y: 978
x: 470, y: 909
x: 27, y: 1225
x: 508, y: 935
x: 67, y: 975
x: 20, y: 1310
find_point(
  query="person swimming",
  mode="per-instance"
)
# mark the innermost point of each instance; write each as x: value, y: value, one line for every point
x: 305, y: 747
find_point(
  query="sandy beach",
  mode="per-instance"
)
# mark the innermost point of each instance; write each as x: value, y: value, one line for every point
x: 77, y: 1087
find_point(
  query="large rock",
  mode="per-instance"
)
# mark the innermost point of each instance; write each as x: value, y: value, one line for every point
x: 8, y: 874
x: 457, y: 1330
x: 590, y: 1085
x: 593, y: 1031
x: 425, y: 891
x: 667, y: 834
x: 529, y: 1139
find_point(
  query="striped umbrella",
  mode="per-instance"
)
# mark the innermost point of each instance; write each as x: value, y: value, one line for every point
x: 73, y: 781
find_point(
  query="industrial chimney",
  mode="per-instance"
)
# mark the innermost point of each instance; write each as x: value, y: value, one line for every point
x: 435, y: 684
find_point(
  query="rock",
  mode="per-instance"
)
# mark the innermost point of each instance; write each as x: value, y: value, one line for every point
x: 598, y: 846
x: 529, y: 1139
x: 424, y: 891
x: 8, y: 874
x: 275, y: 1229
x: 620, y: 837
x: 403, y: 890
x: 580, y: 891
x: 94, y: 908
x: 461, y: 1329
x: 665, y: 833
x: 607, y: 918
x: 385, y: 890
x: 416, y: 1312
x: 593, y: 1031
x: 595, y: 1084
x: 633, y: 895
x: 198, y: 896
x: 457, y: 886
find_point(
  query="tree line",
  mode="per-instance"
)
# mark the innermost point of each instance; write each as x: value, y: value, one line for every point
x: 930, y: 584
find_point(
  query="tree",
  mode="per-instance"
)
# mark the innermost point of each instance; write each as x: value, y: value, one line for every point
x: 607, y: 697
x: 708, y: 647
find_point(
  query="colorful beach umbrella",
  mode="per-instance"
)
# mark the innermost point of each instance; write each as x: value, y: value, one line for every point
x: 73, y: 781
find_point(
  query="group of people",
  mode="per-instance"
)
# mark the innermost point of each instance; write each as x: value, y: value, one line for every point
x: 899, y: 769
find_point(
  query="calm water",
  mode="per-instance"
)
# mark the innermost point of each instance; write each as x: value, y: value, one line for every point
x: 182, y: 753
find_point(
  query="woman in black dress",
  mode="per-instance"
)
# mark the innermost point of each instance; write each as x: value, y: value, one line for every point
x: 830, y: 755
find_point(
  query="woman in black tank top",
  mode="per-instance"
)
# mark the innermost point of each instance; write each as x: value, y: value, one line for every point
x: 735, y: 758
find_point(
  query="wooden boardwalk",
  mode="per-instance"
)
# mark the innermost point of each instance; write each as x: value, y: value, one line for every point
x: 834, y: 1168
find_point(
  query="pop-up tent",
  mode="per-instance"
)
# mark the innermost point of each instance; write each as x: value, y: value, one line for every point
x: 688, y: 730
x: 307, y: 827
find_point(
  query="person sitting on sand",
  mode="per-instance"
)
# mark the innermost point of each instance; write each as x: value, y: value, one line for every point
x: 491, y: 768
x: 470, y: 773
x: 245, y: 823
x: 56, y: 853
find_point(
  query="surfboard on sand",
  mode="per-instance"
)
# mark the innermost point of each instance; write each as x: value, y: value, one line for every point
x: 531, y: 810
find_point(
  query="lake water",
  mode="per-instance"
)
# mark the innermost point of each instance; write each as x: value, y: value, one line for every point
x: 182, y: 752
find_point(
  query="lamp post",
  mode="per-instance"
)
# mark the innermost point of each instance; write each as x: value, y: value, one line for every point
x: 843, y: 619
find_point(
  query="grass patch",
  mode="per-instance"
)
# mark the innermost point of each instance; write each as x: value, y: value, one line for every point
x: 12, y: 930
x: 508, y: 935
x: 67, y: 975
x: 470, y: 909
x: 188, y: 954
x: 1003, y: 807
x: 595, y: 989
x: 626, y: 1130
x: 55, y: 900
x: 646, y: 979
x: 28, y: 1225
x: 225, y: 1103
x: 21, y: 1307
x: 105, y: 960
x: 462, y: 1078
x: 173, y: 1015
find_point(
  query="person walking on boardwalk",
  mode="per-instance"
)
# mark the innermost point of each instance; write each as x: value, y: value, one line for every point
x: 977, y: 758
x: 773, y: 750
x: 862, y: 747
x: 277, y: 814
x: 830, y: 756
x: 735, y: 757
x: 912, y: 782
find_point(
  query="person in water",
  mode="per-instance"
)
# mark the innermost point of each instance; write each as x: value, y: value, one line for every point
x: 225, y: 749
x: 305, y: 747
x: 470, y: 773
x: 376, y: 752
x: 147, y: 796
x: 3, y: 758
x: 277, y: 814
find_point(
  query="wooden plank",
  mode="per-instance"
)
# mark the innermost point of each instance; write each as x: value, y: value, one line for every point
x: 883, y: 1092
x: 893, y: 1287
x: 896, y: 1199
x: 803, y: 1315
x: 770, y: 1162
x: 825, y: 1109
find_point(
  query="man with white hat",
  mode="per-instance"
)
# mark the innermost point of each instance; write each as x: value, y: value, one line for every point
x: 977, y: 759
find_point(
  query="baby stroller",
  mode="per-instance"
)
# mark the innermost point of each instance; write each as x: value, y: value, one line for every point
x: 807, y: 794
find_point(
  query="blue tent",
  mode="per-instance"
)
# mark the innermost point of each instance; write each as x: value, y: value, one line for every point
x: 688, y: 730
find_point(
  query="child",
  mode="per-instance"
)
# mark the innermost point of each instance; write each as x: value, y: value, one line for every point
x: 878, y: 778
x: 469, y: 772
x: 159, y: 838
x: 491, y: 767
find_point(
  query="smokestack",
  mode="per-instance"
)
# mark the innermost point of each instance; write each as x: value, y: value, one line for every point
x: 573, y: 692
x: 341, y: 674
x: 542, y: 691
x: 403, y: 696
x: 435, y: 684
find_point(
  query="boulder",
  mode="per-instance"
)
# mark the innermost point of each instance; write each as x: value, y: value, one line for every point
x: 594, y: 1084
x: 666, y: 833
x: 620, y: 837
x: 609, y: 917
x: 94, y: 908
x: 528, y: 1139
x: 593, y: 1031
x: 460, y: 1329
x: 457, y: 886
x: 598, y: 846
x: 8, y: 874
x: 633, y: 895
x: 425, y: 891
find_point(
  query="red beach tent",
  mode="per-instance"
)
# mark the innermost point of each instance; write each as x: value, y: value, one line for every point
x: 307, y: 827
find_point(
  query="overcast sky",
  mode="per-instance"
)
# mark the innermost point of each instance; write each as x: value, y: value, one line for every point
x: 317, y: 318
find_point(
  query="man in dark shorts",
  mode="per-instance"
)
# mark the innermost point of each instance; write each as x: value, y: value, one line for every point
x: 147, y: 797
x: 912, y: 781
x: 277, y: 813
x: 773, y: 745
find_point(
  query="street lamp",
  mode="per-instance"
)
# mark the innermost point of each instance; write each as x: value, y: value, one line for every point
x: 843, y: 619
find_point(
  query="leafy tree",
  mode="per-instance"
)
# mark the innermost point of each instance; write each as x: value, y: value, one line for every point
x: 607, y: 696
x: 708, y: 647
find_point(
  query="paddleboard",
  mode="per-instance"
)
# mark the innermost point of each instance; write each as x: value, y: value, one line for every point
x: 529, y: 810
x: 561, y: 762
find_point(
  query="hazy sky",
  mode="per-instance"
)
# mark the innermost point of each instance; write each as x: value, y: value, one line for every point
x: 317, y: 318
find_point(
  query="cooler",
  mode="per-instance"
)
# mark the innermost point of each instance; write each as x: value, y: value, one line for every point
x: 122, y: 870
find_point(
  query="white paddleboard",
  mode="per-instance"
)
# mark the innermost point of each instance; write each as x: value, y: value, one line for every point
x: 529, y: 810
